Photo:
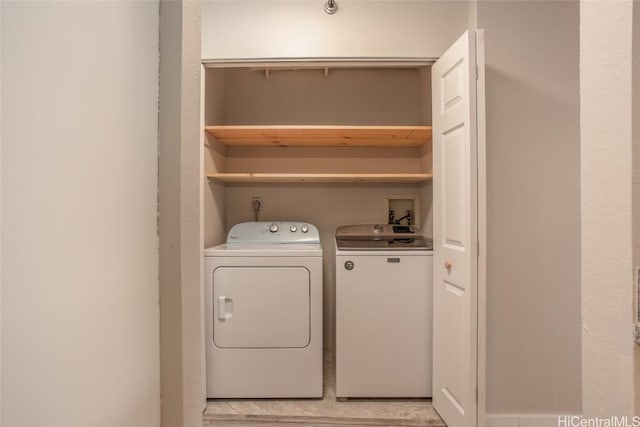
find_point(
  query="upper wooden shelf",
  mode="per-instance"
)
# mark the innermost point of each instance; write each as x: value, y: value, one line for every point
x: 321, y: 136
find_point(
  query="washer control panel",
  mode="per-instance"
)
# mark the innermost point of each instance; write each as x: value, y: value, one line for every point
x: 372, y: 231
x: 274, y: 232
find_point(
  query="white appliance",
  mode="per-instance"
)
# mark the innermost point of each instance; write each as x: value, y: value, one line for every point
x: 263, y: 304
x: 384, y: 288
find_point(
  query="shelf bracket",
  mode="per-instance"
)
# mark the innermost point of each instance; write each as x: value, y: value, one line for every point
x: 326, y: 71
x: 267, y: 74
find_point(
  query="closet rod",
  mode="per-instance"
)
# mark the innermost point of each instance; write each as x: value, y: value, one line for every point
x: 325, y: 68
x: 267, y: 71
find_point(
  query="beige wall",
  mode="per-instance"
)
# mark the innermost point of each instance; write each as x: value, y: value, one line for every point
x: 606, y: 178
x: 79, y: 239
x: 180, y: 190
x: 352, y: 96
x: 301, y: 29
x: 533, y: 206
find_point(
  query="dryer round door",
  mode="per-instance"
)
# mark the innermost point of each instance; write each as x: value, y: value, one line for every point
x: 261, y: 307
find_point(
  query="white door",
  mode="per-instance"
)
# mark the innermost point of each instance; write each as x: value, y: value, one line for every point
x: 455, y: 233
x: 261, y: 307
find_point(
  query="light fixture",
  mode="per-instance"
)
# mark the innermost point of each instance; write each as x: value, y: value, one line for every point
x: 331, y: 7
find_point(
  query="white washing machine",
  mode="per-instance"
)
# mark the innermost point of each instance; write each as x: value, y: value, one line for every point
x: 263, y: 300
x: 384, y: 286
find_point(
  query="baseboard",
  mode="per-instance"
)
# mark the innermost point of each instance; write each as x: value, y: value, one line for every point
x: 524, y: 420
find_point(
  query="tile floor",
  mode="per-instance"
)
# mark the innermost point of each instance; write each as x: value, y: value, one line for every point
x: 321, y: 412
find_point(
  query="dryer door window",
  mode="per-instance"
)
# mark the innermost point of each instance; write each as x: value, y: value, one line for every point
x: 261, y: 307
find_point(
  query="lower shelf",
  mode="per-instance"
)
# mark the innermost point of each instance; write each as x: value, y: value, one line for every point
x: 406, y: 178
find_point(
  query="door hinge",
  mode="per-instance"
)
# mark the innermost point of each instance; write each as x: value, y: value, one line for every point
x: 476, y: 72
x: 476, y: 395
x: 478, y: 248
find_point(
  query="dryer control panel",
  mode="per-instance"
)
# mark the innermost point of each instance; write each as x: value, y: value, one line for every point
x: 274, y: 232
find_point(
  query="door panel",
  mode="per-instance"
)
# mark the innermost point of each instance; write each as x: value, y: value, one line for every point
x: 261, y: 307
x: 455, y: 233
x: 453, y: 150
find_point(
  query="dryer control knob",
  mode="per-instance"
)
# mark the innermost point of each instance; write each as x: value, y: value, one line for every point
x: 378, y: 228
x: 304, y: 229
x: 273, y: 227
x: 293, y: 228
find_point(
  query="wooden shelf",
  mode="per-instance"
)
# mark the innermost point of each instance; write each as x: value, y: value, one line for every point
x: 321, y: 136
x: 405, y: 178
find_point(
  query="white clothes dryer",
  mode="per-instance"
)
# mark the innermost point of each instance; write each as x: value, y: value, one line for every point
x: 263, y: 310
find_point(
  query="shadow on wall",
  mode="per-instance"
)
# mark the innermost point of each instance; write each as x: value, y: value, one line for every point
x: 533, y: 205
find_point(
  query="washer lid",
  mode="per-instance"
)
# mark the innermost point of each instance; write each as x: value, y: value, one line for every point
x: 381, y: 237
x: 376, y: 230
x: 384, y: 244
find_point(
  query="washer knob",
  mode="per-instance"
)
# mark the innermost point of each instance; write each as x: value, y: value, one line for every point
x: 293, y: 228
x: 273, y: 227
x: 304, y: 229
x: 378, y: 228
